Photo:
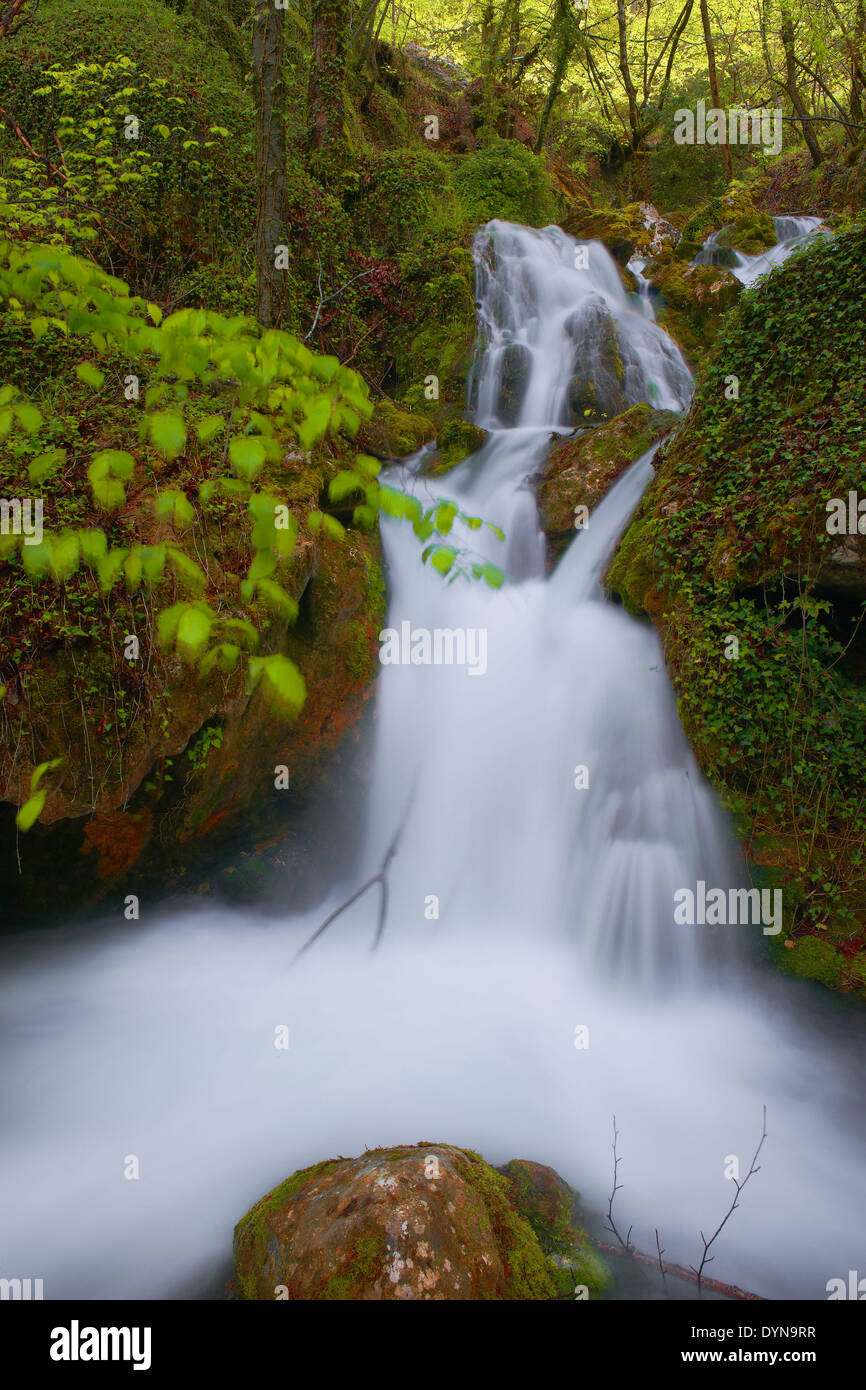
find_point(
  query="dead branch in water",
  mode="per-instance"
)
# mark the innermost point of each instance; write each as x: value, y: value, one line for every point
x: 380, y: 878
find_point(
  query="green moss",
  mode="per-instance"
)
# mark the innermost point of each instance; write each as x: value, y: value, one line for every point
x: 456, y: 441
x: 527, y: 1272
x: 505, y: 180
x: 732, y: 540
x: 751, y: 233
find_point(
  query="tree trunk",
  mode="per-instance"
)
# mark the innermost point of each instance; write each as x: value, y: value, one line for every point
x: 792, y: 86
x: 269, y: 96
x: 564, y: 49
x: 329, y: 41
x: 627, y: 82
x: 714, y: 82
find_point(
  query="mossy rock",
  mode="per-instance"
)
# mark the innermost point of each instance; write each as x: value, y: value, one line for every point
x: 423, y: 1222
x: 456, y: 441
x: 692, y: 300
x: 392, y: 433
x: 582, y: 469
x: 731, y: 529
x: 752, y: 233
x: 621, y: 230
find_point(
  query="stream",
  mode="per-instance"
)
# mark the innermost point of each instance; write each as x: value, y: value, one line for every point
x: 521, y: 907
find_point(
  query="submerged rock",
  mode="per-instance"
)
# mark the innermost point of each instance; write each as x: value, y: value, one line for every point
x: 429, y: 1221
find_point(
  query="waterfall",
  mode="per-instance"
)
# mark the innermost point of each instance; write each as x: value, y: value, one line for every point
x: 543, y: 808
x: 791, y: 233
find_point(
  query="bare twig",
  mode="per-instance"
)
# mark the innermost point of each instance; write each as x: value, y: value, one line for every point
x: 626, y: 1244
x: 707, y: 1258
x: 380, y: 878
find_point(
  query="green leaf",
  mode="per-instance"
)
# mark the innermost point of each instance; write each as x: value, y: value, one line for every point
x: 39, y: 772
x: 281, y: 681
x: 333, y: 527
x: 30, y: 811
x: 45, y: 465
x: 65, y: 555
x: 276, y: 599
x: 108, y: 569
x: 193, y: 633
x: 29, y: 418
x: 344, y: 484
x: 36, y: 559
x: 264, y: 562
x: 246, y: 455
x: 90, y: 375
x: 93, y: 546
x: 173, y: 503
x: 167, y: 433
x: 225, y: 657
x: 186, y: 569
x: 209, y: 428
x: 443, y: 558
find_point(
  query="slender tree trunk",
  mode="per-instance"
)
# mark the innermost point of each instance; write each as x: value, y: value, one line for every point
x: 269, y: 95
x: 564, y: 49
x: 792, y: 86
x: 329, y: 40
x: 714, y: 81
x: 627, y: 82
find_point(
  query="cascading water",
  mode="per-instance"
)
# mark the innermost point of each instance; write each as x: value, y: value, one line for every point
x: 521, y: 906
x: 792, y: 232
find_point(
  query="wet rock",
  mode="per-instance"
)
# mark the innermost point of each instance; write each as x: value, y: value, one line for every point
x: 429, y: 1221
x: 456, y: 441
x: 581, y: 470
x: 597, y: 388
x: 621, y: 230
x: 516, y: 367
x: 692, y: 299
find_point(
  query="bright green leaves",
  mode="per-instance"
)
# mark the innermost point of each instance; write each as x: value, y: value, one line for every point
x: 173, y: 504
x: 30, y: 812
x: 271, y: 595
x: 90, y: 375
x: 40, y: 469
x: 108, y: 471
x: 281, y: 683
x: 187, y: 630
x: 246, y: 455
x: 167, y: 432
x: 16, y: 412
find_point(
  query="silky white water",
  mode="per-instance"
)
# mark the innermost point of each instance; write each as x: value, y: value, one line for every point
x: 521, y: 907
x: 792, y: 233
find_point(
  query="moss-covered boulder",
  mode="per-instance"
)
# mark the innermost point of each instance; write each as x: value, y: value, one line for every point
x: 731, y: 554
x: 429, y: 1221
x: 621, y: 230
x: 582, y: 469
x: 456, y: 441
x: 692, y: 300
x: 391, y: 433
x: 596, y: 391
x: 751, y: 232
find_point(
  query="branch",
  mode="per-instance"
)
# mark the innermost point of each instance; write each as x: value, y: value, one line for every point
x: 626, y: 1244
x: 379, y: 878
x: 707, y: 1258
